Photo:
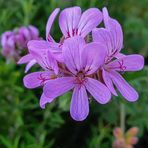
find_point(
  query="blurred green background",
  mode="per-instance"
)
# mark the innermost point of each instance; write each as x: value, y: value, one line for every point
x: 23, y: 124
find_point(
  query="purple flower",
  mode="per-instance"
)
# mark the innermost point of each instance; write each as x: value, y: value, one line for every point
x: 41, y: 44
x: 25, y: 34
x: 29, y: 59
x: 72, y: 23
x: 45, y: 59
x: 116, y: 62
x: 78, y: 65
x: 8, y: 44
x: 81, y: 62
x: 13, y: 42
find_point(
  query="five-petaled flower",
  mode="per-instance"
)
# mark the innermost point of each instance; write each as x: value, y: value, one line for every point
x: 80, y: 65
x: 81, y: 60
x: 112, y: 37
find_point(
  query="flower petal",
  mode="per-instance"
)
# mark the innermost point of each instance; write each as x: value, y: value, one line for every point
x: 103, y: 35
x: 115, y: 29
x: 8, y: 45
x: 50, y: 22
x: 44, y: 100
x: 5, y: 36
x: 40, y: 50
x: 37, y: 79
x: 34, y: 32
x: 47, y: 61
x: 25, y: 59
x: 38, y: 45
x: 93, y: 56
x: 124, y: 88
x: 72, y: 49
x: 59, y: 86
x: 25, y: 32
x: 90, y: 19
x: 56, y: 49
x: 79, y: 107
x: 133, y: 62
x: 98, y: 90
x: 29, y: 65
x: 107, y: 80
x: 68, y: 21
x: 42, y: 45
x: 120, y: 55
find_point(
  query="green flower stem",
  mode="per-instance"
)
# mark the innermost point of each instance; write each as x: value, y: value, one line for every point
x: 122, y: 116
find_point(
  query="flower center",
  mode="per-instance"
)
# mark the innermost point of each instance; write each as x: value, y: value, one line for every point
x: 80, y: 78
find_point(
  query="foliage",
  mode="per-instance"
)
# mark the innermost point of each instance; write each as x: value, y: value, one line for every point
x: 24, y: 125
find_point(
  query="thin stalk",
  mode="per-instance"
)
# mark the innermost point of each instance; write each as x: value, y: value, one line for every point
x: 122, y: 117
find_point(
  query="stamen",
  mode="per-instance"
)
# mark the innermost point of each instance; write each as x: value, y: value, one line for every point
x: 80, y: 78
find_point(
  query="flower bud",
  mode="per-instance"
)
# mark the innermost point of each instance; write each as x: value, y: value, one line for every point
x: 132, y: 131
x: 118, y: 132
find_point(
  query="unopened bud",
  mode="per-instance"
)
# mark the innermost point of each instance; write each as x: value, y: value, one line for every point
x: 118, y: 132
x: 132, y: 131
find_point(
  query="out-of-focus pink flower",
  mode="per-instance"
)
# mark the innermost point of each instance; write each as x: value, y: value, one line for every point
x: 13, y: 42
x: 8, y: 44
x: 27, y: 33
x: 125, y: 140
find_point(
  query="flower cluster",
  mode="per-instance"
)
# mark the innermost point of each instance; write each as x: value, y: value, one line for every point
x: 88, y: 67
x: 13, y: 42
x: 125, y: 140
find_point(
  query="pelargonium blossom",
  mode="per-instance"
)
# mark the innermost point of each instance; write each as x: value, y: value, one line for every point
x: 72, y: 23
x: 13, y: 42
x: 115, y: 62
x: 25, y: 34
x: 89, y: 68
x: 82, y: 61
